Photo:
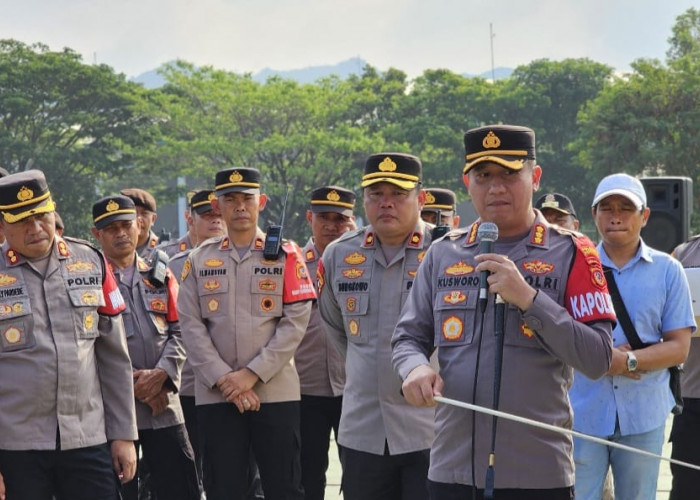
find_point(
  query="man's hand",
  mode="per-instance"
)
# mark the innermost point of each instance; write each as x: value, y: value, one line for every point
x: 2, y: 487
x: 422, y: 385
x: 159, y: 402
x: 124, y: 459
x: 248, y: 401
x: 234, y: 384
x: 506, y: 280
x: 148, y: 383
x: 618, y: 365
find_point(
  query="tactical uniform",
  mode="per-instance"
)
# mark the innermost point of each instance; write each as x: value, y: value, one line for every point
x: 542, y: 346
x: 239, y: 312
x: 686, y: 426
x: 360, y: 297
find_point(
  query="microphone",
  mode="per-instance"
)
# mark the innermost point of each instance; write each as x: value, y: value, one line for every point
x: 486, y: 234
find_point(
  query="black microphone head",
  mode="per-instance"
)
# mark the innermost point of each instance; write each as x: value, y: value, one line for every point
x: 488, y: 231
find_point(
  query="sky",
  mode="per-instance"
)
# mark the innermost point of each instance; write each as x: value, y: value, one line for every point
x: 135, y: 36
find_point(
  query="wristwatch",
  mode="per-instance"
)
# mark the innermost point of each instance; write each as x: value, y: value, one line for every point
x: 631, y: 361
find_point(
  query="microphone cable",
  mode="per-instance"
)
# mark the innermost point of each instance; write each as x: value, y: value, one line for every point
x: 481, y: 315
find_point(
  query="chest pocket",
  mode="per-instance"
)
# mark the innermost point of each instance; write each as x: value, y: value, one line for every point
x: 266, y: 295
x: 455, y: 312
x: 354, y: 308
x: 213, y: 292
x: 85, y: 302
x: 16, y: 325
x: 156, y: 303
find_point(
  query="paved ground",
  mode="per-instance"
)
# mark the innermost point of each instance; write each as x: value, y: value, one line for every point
x: 333, y: 476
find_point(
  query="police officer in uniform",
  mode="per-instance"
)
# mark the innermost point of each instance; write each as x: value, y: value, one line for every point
x: 320, y: 367
x: 146, y: 213
x: 364, y: 279
x: 558, y: 209
x: 243, y: 315
x: 189, y: 239
x: 440, y: 204
x: 156, y: 350
x: 205, y: 223
x: 545, y: 275
x: 67, y: 420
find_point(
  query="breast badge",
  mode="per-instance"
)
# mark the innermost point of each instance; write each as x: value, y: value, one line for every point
x: 13, y: 335
x: 452, y: 328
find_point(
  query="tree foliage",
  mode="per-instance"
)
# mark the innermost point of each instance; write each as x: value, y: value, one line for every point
x: 92, y: 131
x: 73, y: 121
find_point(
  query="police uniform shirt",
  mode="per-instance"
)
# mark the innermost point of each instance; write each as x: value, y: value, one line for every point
x: 360, y: 298
x: 244, y: 311
x: 145, y: 251
x: 321, y: 368
x: 153, y: 336
x: 63, y: 355
x: 173, y: 247
x: 176, y: 264
x: 568, y: 326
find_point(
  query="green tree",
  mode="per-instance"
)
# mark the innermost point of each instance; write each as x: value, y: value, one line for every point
x: 547, y: 96
x: 299, y: 136
x: 75, y: 122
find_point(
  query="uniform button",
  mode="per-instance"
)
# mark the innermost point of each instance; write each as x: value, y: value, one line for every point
x: 614, y: 387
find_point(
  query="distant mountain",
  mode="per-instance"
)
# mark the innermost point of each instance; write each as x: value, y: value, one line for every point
x: 499, y: 73
x: 354, y: 66
x: 150, y: 79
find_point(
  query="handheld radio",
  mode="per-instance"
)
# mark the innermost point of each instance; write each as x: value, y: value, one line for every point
x: 159, y: 265
x: 440, y: 229
x: 273, y: 234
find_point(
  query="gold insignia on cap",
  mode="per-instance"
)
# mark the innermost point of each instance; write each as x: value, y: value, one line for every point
x: 491, y: 141
x: 333, y: 196
x: 387, y: 165
x: 112, y: 206
x: 235, y: 176
x: 211, y: 196
x: 429, y: 198
x: 550, y: 197
x: 25, y: 194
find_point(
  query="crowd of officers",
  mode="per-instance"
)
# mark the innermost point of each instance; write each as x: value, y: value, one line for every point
x: 226, y: 361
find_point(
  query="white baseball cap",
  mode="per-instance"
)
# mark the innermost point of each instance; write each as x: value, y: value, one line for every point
x: 624, y: 185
